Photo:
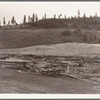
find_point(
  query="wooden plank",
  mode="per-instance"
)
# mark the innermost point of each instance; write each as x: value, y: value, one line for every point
x: 15, y: 61
x: 74, y: 76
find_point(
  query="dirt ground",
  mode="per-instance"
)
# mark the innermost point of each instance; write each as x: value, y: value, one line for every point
x: 11, y: 81
x: 16, y: 81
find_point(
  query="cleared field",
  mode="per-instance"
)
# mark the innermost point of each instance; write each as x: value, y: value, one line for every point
x: 49, y: 42
x: 65, y: 49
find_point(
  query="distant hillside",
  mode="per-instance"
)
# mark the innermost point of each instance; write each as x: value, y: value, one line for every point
x: 18, y: 38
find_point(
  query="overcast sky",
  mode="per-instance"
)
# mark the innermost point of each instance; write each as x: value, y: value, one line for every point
x: 19, y: 9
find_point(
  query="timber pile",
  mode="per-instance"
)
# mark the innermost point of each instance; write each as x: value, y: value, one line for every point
x: 46, y: 68
x: 74, y: 67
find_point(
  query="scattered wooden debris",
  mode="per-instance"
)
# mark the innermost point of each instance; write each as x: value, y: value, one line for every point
x: 52, y: 66
x: 19, y: 71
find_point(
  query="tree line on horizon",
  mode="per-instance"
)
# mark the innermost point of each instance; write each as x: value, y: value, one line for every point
x: 34, y: 21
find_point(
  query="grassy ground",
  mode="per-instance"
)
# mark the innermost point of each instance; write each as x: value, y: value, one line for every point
x: 17, y: 38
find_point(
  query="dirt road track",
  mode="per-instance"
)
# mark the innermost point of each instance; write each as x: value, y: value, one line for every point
x: 12, y: 81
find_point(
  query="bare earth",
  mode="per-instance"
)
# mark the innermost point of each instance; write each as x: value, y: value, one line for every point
x: 13, y: 81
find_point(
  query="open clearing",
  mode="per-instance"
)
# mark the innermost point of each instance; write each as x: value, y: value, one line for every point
x: 13, y: 81
x: 43, y: 42
x: 65, y: 49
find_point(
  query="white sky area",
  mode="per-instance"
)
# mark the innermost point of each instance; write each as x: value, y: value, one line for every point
x: 19, y: 9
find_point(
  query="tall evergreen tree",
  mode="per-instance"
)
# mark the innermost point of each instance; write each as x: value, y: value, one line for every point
x: 33, y: 18
x: 29, y: 19
x: 24, y: 20
x: 78, y: 14
x: 54, y: 16
x: 91, y: 19
x: 59, y: 16
x: 13, y: 20
x: 0, y: 24
x: 45, y: 16
x: 9, y: 22
x: 65, y: 17
x: 45, y: 21
x: 36, y: 18
x: 84, y: 18
x: 4, y: 22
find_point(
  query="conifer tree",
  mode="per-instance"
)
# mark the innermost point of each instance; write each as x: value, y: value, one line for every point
x: 36, y: 18
x: 84, y: 18
x: 29, y: 19
x: 4, y: 22
x: 24, y: 20
x: 33, y: 18
x: 13, y: 20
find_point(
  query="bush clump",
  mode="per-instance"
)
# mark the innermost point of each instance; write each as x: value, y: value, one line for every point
x: 78, y: 32
x: 66, y: 33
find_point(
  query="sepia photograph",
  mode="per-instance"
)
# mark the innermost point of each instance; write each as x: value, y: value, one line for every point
x: 49, y: 47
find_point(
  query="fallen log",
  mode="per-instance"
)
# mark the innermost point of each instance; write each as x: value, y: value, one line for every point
x: 74, y: 76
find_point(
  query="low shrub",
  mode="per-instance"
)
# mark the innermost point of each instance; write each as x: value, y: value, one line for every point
x: 66, y: 33
x: 77, y: 31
